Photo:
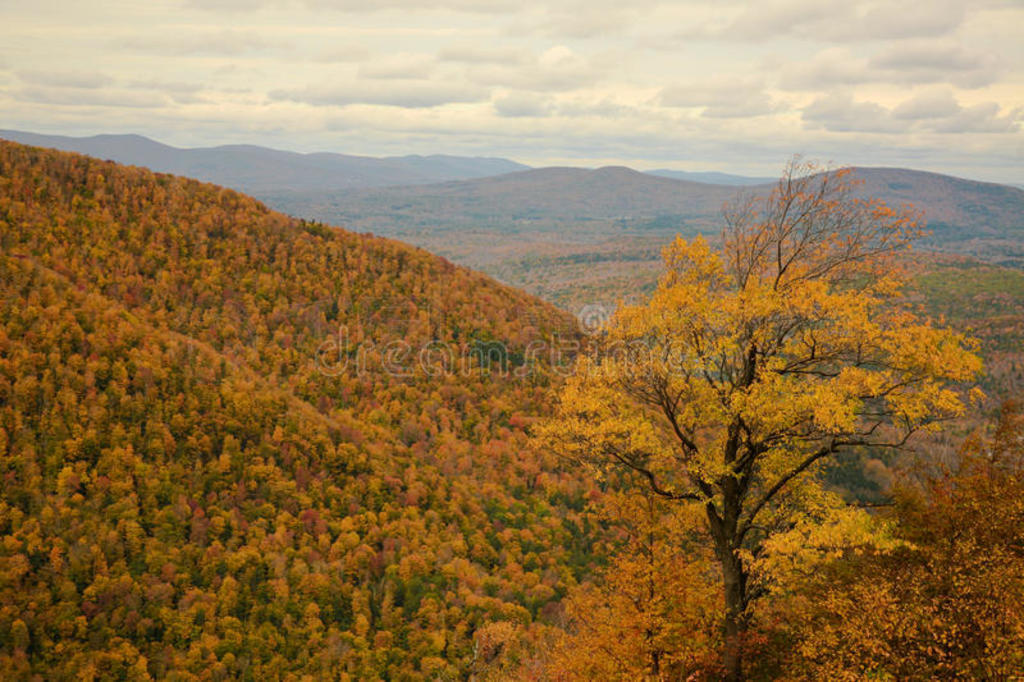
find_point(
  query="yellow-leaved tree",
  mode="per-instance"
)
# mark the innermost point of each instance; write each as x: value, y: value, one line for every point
x: 753, y: 364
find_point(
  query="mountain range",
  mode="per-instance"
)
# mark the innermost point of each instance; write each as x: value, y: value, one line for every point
x: 544, y: 229
x: 253, y: 168
x: 572, y: 235
x: 257, y: 169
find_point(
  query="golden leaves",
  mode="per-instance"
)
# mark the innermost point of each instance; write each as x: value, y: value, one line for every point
x: 750, y: 366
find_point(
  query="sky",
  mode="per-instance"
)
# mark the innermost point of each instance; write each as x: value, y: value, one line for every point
x: 692, y: 85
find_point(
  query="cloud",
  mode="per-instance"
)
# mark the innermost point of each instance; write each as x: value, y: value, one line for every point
x: 925, y: 62
x: 86, y: 97
x: 469, y: 6
x: 407, y: 66
x: 907, y: 63
x: 829, y: 68
x: 590, y: 19
x: 981, y: 118
x: 343, y: 53
x: 166, y: 86
x: 478, y: 54
x: 844, y: 20
x: 227, y: 42
x: 928, y: 105
x: 412, y: 94
x: 839, y: 113
x: 719, y: 99
x: 66, y: 79
x: 935, y: 111
x: 605, y: 108
x: 520, y: 104
x: 556, y: 69
x: 179, y: 92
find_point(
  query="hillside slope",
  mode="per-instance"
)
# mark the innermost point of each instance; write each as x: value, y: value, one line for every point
x: 982, y: 219
x: 201, y: 477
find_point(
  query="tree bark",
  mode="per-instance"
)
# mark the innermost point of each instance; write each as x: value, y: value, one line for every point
x: 734, y: 579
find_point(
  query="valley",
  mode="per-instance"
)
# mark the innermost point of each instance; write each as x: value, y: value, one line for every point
x: 230, y: 447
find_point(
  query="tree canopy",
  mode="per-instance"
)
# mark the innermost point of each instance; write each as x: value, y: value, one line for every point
x: 753, y: 363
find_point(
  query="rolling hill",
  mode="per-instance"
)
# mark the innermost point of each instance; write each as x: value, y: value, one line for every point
x: 575, y: 236
x: 224, y: 454
x: 539, y: 199
x: 611, y: 199
x: 256, y: 169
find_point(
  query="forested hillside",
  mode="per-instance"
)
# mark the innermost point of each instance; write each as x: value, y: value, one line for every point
x: 197, y: 480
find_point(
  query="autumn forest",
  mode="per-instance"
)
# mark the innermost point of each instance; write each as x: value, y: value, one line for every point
x: 236, y: 444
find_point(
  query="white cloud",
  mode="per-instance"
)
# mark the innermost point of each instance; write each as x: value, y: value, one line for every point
x: 471, y: 6
x: 400, y: 66
x: 589, y: 20
x: 66, y: 79
x: 413, y: 95
x: 557, y: 68
x: 981, y: 118
x: 519, y: 104
x: 343, y: 53
x: 904, y: 63
x: 842, y: 114
x: 936, y: 62
x: 92, y: 98
x: 845, y: 20
x: 933, y: 111
x: 929, y: 104
x: 206, y: 42
x: 725, y: 98
x: 481, y: 54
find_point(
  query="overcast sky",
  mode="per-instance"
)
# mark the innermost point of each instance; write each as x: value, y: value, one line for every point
x: 734, y: 86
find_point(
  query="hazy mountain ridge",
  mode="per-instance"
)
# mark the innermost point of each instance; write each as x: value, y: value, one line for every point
x: 256, y: 169
x: 712, y: 177
x: 577, y: 236
x: 501, y: 218
x: 602, y: 203
x: 618, y: 192
x: 542, y: 195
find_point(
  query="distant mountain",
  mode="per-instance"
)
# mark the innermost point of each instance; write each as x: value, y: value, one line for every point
x: 575, y: 236
x: 711, y: 177
x: 544, y: 198
x: 420, y: 198
x: 259, y: 169
x: 957, y: 210
x: 983, y: 218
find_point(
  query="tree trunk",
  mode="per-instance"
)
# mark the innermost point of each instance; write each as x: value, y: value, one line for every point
x: 735, y: 626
